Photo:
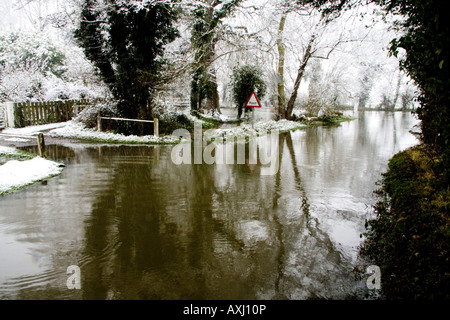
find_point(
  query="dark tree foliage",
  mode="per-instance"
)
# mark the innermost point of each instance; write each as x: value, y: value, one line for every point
x: 245, y: 80
x: 203, y: 41
x: 205, y: 33
x: 126, y: 45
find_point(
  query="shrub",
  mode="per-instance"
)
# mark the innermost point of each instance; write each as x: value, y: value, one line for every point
x: 89, y: 115
x: 245, y: 80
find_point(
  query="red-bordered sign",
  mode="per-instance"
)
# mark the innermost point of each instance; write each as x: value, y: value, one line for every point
x: 253, y: 101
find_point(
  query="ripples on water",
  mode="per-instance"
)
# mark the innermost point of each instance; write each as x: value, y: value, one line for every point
x: 140, y: 227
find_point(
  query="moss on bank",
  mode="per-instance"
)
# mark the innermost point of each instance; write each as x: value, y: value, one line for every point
x: 410, y: 237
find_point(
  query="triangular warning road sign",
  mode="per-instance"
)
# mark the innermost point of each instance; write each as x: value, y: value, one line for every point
x: 253, y: 101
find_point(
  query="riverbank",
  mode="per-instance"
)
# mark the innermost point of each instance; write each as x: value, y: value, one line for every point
x: 77, y: 130
x: 20, y: 169
x: 410, y: 236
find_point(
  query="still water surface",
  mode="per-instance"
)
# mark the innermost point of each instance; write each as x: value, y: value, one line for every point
x: 141, y: 227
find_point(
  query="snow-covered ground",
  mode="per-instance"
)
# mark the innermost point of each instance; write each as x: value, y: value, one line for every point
x: 259, y: 128
x: 16, y: 174
x: 76, y: 130
x: 7, y: 151
x: 33, y: 130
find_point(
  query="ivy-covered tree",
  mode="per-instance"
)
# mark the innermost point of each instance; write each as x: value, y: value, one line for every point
x: 245, y: 80
x: 125, y: 40
x: 207, y: 19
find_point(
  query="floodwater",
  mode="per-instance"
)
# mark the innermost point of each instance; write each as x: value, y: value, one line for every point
x: 139, y: 226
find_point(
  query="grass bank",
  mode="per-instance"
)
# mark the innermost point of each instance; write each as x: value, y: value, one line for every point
x: 19, y: 169
x: 170, y: 122
x: 409, y: 239
x: 7, y: 154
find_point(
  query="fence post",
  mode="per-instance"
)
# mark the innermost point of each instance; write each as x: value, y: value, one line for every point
x: 75, y: 109
x: 10, y: 114
x: 156, y: 127
x: 41, y: 144
x: 99, y: 122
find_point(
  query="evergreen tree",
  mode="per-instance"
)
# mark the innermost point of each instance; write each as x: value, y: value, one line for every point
x: 125, y: 40
x: 245, y: 80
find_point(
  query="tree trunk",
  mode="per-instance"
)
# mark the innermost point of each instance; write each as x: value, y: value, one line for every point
x: 397, y: 91
x: 280, y: 83
x: 212, y: 96
x: 301, y: 71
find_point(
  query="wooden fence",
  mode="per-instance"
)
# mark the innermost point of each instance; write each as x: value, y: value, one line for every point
x: 155, y: 122
x: 24, y: 114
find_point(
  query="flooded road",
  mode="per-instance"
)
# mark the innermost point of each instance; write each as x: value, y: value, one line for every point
x: 139, y: 226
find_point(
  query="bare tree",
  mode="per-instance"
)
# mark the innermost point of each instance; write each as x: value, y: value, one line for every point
x: 321, y: 42
x: 281, y: 58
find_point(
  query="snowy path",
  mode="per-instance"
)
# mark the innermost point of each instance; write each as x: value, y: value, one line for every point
x: 33, y: 130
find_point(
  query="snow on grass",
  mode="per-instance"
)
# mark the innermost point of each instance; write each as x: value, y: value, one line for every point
x: 217, y: 117
x: 15, y: 175
x: 76, y: 130
x: 257, y: 129
x: 7, y: 150
x: 280, y: 125
x: 7, y: 153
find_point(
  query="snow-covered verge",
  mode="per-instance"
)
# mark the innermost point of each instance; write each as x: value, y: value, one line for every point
x: 8, y: 151
x: 76, y: 130
x: 217, y: 117
x: 254, y: 130
x: 15, y: 174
